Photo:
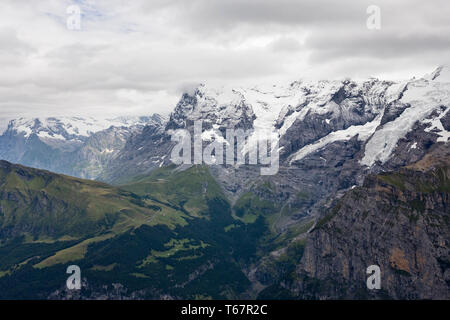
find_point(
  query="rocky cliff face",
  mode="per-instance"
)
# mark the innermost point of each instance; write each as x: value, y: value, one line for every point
x: 227, y: 108
x: 396, y: 220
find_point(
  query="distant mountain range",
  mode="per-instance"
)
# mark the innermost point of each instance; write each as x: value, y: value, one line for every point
x: 362, y: 180
x: 80, y: 147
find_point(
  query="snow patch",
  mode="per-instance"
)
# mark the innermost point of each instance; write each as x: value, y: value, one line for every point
x: 437, y: 127
x: 424, y: 96
x: 46, y: 135
x: 363, y: 132
x: 107, y: 151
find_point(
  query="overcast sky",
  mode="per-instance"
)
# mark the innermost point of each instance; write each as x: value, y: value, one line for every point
x: 136, y: 57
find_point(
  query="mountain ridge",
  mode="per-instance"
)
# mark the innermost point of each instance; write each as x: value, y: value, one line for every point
x: 74, y: 146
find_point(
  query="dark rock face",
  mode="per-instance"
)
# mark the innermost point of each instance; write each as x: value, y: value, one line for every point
x: 143, y: 152
x: 445, y: 120
x: 398, y: 221
x: 115, y: 291
x: 184, y: 107
x: 393, y: 110
x: 201, y: 106
x: 409, y: 149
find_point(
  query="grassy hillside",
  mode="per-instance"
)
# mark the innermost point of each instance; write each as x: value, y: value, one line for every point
x: 44, y: 205
x: 165, y: 234
x: 189, y: 189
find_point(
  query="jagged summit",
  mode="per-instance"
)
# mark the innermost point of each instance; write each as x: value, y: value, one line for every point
x: 441, y: 74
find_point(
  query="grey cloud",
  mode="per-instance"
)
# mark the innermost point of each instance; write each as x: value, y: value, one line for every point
x: 13, y: 50
x: 10, y: 43
x: 285, y: 44
x: 139, y: 56
x: 377, y: 45
x: 232, y: 13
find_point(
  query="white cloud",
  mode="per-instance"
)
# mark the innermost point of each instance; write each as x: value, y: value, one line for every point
x: 134, y: 57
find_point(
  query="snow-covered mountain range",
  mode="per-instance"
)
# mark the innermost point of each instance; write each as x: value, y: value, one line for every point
x: 308, y: 116
x: 385, y: 119
x: 70, y: 128
x: 73, y: 145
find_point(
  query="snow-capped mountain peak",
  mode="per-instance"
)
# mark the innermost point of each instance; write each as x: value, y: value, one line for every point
x: 71, y: 145
x: 70, y: 127
x: 423, y: 97
x: 307, y: 116
x: 441, y: 74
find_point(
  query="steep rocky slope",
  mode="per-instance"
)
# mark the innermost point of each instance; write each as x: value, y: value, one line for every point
x: 397, y: 220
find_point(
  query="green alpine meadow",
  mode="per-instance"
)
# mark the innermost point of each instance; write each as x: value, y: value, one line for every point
x: 163, y: 234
